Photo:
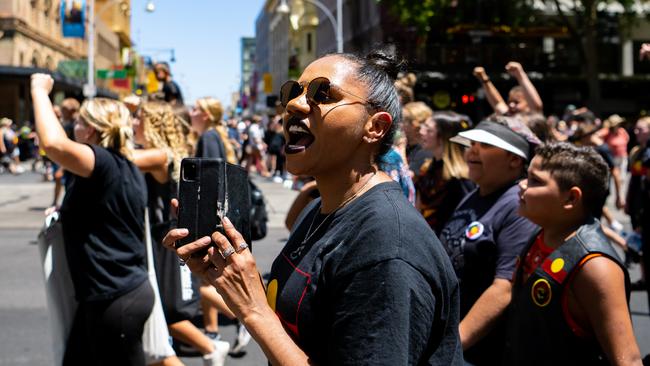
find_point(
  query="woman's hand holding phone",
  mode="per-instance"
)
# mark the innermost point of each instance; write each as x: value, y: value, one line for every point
x: 235, y: 277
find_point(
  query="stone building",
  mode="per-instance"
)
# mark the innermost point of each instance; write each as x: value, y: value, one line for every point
x: 31, y: 40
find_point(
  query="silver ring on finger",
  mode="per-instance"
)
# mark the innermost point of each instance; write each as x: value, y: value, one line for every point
x: 182, y: 261
x: 241, y: 247
x: 228, y: 252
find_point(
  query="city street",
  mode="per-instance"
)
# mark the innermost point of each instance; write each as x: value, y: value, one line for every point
x: 25, y: 337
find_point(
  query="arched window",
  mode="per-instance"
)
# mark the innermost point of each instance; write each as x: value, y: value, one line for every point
x: 57, y: 13
x: 49, y: 63
x: 47, y: 6
x: 35, y: 59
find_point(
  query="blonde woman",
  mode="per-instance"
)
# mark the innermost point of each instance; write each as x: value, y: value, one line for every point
x: 103, y: 225
x: 442, y: 181
x: 160, y: 132
x: 414, y: 114
x: 213, y: 140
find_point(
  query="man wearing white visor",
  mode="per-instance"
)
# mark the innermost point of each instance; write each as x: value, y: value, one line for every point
x: 485, y: 234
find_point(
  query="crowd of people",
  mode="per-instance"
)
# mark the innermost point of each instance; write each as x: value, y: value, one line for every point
x: 119, y: 161
x: 418, y: 237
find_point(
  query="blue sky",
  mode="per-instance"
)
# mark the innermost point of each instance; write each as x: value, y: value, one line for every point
x: 205, y: 35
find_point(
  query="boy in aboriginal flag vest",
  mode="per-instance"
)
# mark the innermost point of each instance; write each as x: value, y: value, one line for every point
x: 571, y: 291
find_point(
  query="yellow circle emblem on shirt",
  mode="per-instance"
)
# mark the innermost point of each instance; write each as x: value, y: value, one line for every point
x: 272, y: 293
x: 557, y: 265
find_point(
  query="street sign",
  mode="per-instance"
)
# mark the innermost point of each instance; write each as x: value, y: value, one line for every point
x: 111, y: 74
x: 77, y: 69
x: 268, y: 83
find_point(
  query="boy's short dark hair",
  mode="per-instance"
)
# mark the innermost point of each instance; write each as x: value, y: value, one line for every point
x: 582, y: 167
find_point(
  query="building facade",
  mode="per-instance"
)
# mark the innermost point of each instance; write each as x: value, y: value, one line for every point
x: 286, y: 44
x: 31, y: 40
x: 247, y: 92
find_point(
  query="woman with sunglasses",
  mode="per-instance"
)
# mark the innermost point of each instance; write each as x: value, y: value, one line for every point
x: 362, y: 279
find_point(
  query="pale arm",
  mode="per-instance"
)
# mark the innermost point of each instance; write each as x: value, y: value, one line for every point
x: 299, y: 203
x: 485, y: 312
x: 3, y: 148
x: 72, y: 156
x: 599, y: 289
x: 152, y: 161
x: 530, y: 92
x: 492, y: 94
x: 616, y: 175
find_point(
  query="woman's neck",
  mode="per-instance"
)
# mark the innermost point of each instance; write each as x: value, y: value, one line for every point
x: 339, y: 189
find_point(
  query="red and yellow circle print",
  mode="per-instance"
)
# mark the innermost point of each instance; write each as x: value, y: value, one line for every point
x: 474, y: 230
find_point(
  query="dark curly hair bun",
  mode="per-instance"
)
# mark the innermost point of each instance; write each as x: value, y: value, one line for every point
x: 384, y: 59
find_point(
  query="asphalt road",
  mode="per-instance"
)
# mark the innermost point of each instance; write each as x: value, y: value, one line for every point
x: 24, y: 324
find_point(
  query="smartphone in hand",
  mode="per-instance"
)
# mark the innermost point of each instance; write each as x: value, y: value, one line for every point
x: 210, y: 189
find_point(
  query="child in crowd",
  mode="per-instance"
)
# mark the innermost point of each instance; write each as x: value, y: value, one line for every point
x: 571, y: 291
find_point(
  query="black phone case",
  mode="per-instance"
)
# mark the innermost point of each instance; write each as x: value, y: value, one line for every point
x: 208, y: 189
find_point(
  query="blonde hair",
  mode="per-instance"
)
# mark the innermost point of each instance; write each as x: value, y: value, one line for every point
x: 112, y: 120
x: 645, y: 121
x: 453, y: 162
x: 415, y: 113
x: 212, y: 107
x: 448, y: 125
x: 164, y: 130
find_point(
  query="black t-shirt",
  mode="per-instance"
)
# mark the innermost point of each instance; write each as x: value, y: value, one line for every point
x: 439, y: 197
x: 371, y: 286
x: 483, y: 238
x: 210, y: 145
x: 606, y: 153
x: 172, y: 91
x: 275, y: 142
x: 103, y: 220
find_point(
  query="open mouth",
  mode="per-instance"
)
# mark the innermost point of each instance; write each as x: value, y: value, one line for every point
x: 299, y: 137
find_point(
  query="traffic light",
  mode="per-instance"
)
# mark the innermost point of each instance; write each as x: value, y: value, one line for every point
x: 468, y: 98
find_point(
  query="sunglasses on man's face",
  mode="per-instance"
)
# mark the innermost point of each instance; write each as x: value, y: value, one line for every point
x: 318, y: 92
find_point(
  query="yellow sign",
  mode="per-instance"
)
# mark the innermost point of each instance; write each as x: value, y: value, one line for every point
x: 268, y: 83
x: 152, y: 82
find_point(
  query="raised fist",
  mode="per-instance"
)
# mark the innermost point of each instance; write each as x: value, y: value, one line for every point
x: 42, y: 82
x: 479, y: 72
x: 514, y: 69
x: 644, y: 52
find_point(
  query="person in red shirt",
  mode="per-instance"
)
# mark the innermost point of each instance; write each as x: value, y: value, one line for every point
x: 617, y: 139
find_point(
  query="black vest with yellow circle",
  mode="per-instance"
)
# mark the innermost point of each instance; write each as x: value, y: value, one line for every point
x: 537, y: 330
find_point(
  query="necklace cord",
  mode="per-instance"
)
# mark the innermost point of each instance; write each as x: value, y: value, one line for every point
x: 310, y: 234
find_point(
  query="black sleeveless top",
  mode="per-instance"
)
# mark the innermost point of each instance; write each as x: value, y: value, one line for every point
x: 537, y: 332
x: 159, y: 197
